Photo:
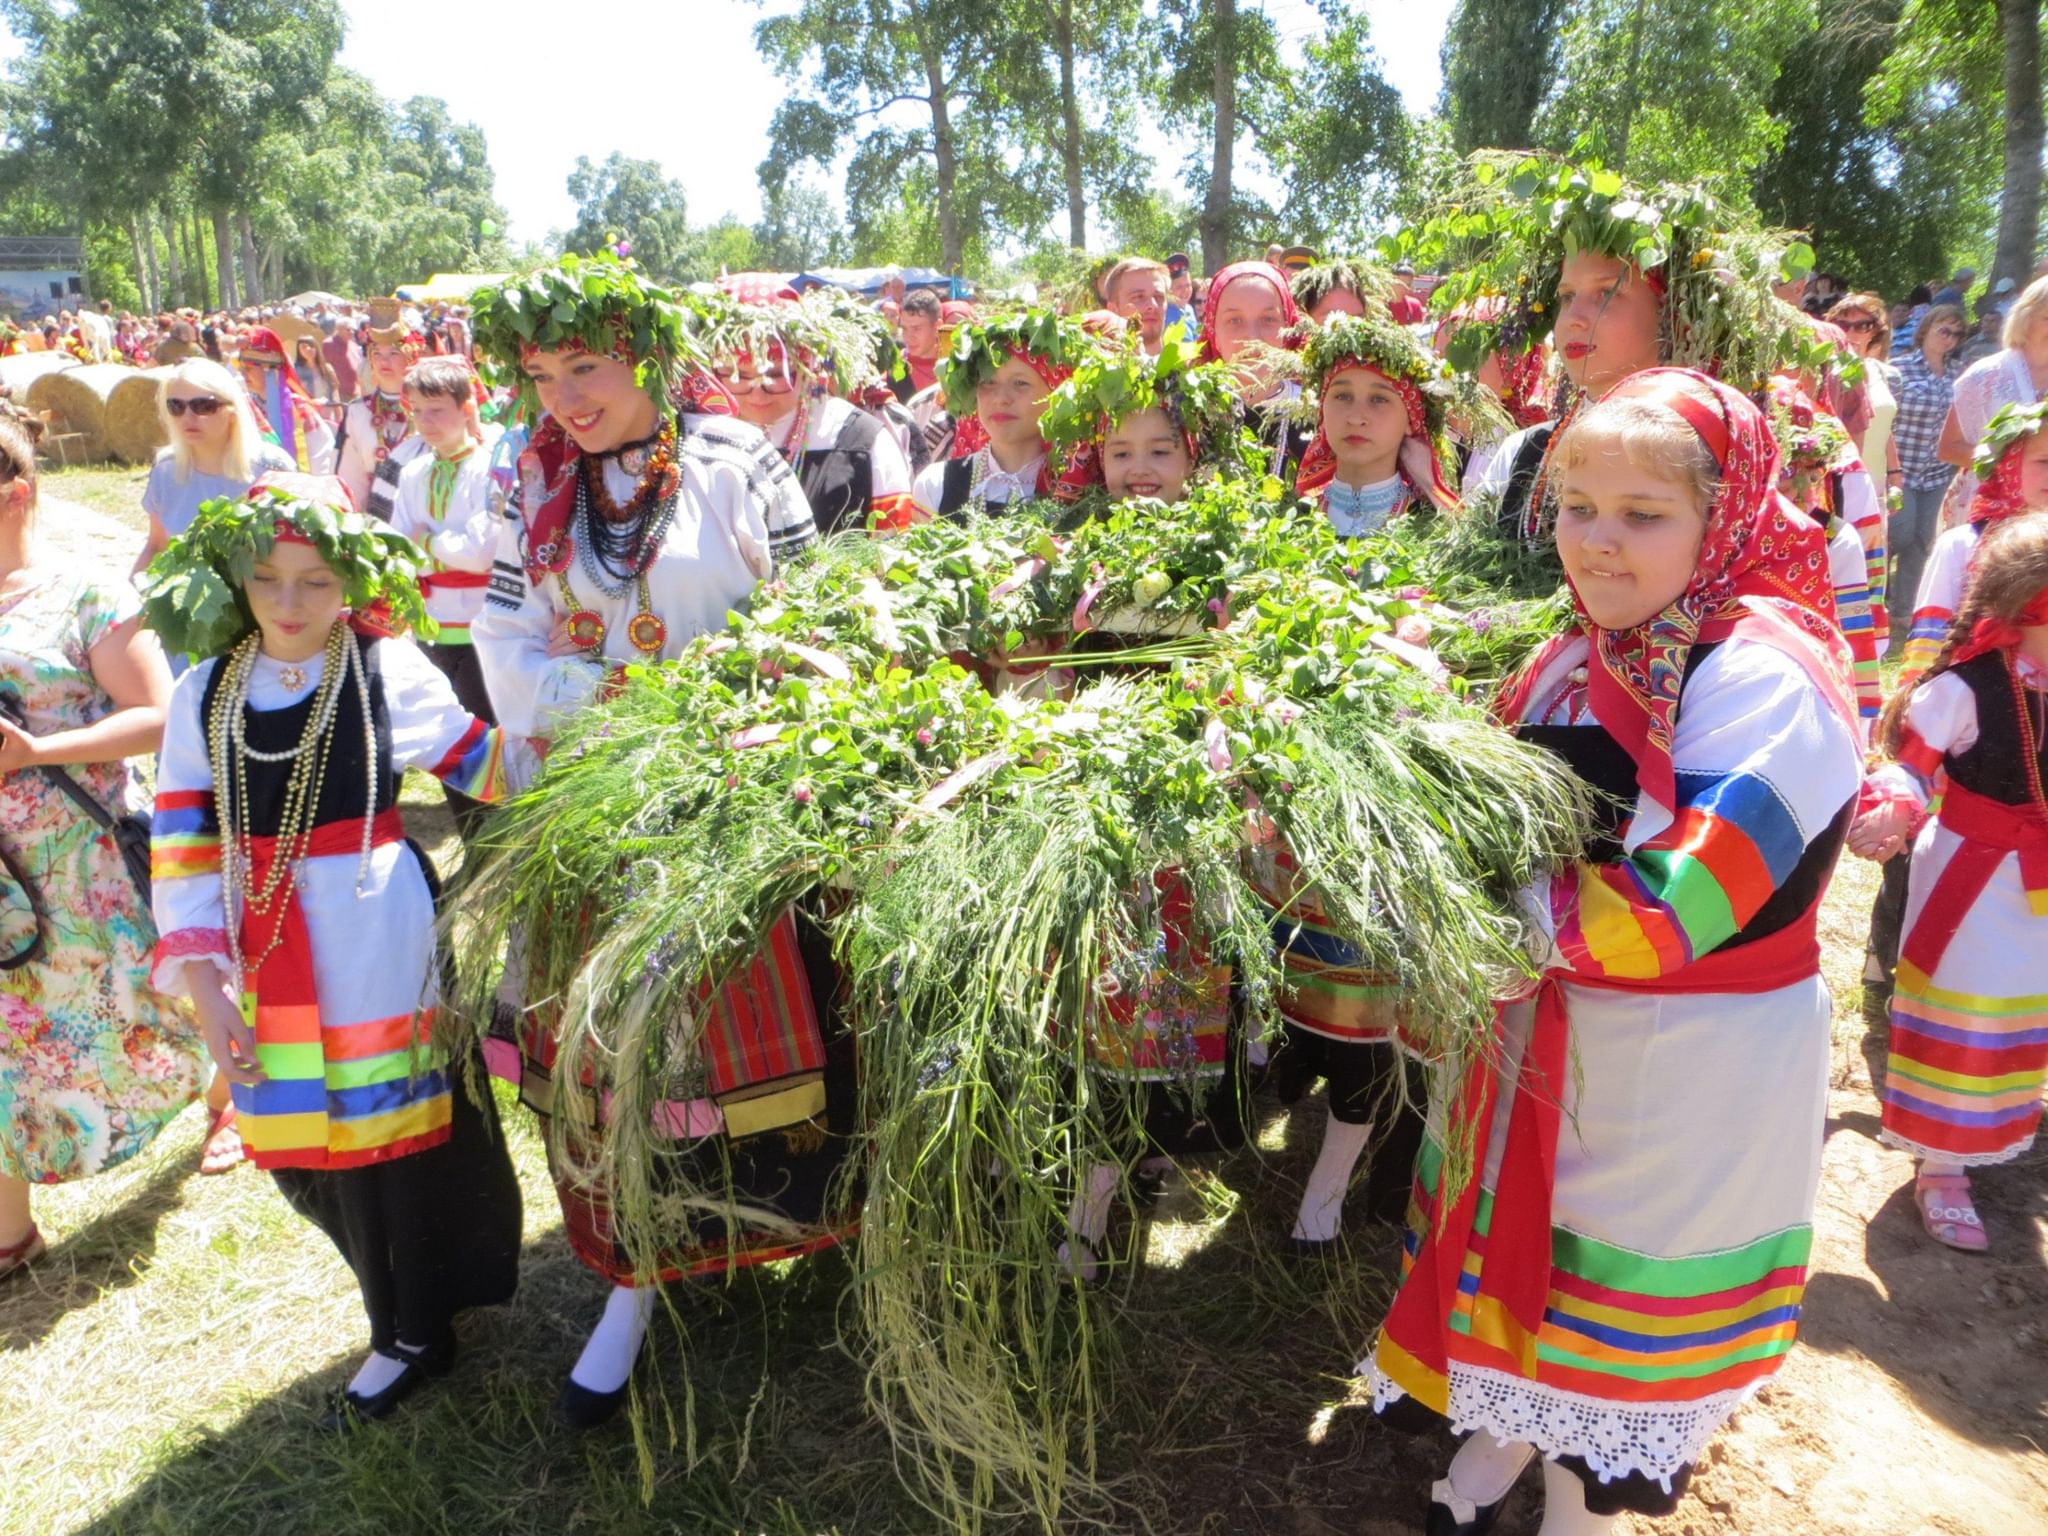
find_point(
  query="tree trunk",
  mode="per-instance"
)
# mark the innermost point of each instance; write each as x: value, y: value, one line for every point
x: 224, y: 259
x: 1070, y: 133
x: 174, y: 261
x: 252, y: 270
x: 1216, y: 214
x: 2019, y: 211
x: 1628, y: 91
x: 945, y: 158
x: 200, y: 281
x: 145, y: 271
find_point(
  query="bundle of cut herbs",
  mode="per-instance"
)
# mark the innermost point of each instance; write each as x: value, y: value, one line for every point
x: 993, y: 858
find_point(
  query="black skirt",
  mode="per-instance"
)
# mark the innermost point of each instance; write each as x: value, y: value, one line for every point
x: 428, y: 1234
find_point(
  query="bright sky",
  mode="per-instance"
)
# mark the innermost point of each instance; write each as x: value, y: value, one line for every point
x: 677, y: 83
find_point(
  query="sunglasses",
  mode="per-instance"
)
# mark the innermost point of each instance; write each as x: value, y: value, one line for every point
x: 1947, y: 330
x: 198, y: 405
x: 1857, y: 327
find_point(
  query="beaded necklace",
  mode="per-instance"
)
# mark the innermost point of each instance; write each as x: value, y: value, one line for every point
x: 617, y: 545
x: 2030, y: 739
x: 231, y: 754
x: 388, y: 423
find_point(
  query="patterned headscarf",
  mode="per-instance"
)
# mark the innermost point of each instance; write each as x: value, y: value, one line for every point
x: 284, y: 411
x: 1238, y: 271
x: 1997, y: 461
x: 1762, y: 573
x: 1319, y: 463
x: 970, y: 436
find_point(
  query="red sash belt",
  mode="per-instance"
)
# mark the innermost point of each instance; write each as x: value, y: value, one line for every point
x: 287, y: 976
x: 1989, y: 830
x: 453, y: 581
x: 1514, y: 1282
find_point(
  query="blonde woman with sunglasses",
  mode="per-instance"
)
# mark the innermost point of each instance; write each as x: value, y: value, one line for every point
x: 215, y: 449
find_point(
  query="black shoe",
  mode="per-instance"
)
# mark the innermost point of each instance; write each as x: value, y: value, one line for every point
x: 1444, y: 1518
x: 580, y: 1408
x: 346, y: 1409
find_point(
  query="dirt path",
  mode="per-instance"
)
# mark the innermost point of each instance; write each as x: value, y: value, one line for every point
x: 72, y: 531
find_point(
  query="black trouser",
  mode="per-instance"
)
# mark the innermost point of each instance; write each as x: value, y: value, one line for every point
x: 465, y: 673
x: 1888, y: 912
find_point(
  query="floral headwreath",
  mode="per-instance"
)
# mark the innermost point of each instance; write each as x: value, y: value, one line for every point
x: 1996, y: 464
x: 193, y: 595
x: 1052, y: 344
x: 1505, y: 228
x: 1371, y: 282
x: 784, y: 331
x: 599, y: 304
x: 1200, y: 399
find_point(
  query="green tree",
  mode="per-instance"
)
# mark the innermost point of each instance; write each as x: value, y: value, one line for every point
x: 1839, y: 177
x: 800, y: 229
x: 1223, y: 76
x: 961, y: 72
x: 1343, y: 143
x: 1961, y: 86
x: 1500, y: 58
x: 1674, y: 90
x: 630, y: 200
x: 1096, y: 59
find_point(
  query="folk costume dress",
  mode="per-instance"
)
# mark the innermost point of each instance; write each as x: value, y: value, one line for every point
x: 94, y: 1059
x: 776, y: 1122
x: 286, y: 413
x: 1968, y: 1056
x: 1283, y: 440
x: 360, y: 1120
x: 1628, y: 1260
x: 1948, y: 567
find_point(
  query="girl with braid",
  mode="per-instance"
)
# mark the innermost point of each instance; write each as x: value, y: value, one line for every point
x: 1969, y: 1037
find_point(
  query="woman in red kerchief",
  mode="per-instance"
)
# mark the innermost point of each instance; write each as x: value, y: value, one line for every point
x: 1251, y: 305
x: 284, y: 410
x: 641, y: 519
x: 1613, y: 1218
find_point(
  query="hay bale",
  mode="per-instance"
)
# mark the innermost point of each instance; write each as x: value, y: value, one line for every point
x: 76, y: 399
x: 135, y: 428
x: 24, y: 368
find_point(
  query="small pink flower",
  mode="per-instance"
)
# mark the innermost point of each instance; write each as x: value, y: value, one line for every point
x: 1412, y: 630
x: 1412, y: 594
x: 802, y: 794
x: 924, y: 737
x: 732, y: 781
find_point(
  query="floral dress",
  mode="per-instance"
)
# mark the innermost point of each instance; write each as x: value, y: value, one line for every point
x: 92, y: 1062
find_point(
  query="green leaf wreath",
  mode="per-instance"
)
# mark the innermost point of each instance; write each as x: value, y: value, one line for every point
x: 838, y: 348
x: 982, y: 348
x: 2007, y: 426
x: 592, y: 302
x: 1371, y: 282
x: 194, y: 599
x: 1111, y: 385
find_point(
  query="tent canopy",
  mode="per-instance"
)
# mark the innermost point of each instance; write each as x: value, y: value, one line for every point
x: 449, y: 287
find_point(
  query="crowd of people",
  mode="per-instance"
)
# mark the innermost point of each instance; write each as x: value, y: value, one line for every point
x: 1623, y: 1266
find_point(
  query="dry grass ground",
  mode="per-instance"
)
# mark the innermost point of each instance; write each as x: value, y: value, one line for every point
x: 164, y: 1362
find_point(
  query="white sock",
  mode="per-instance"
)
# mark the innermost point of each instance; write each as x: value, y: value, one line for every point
x: 1088, y: 1221
x: 1935, y: 1168
x: 1564, y: 1506
x: 1485, y: 1468
x: 377, y: 1373
x: 607, y: 1360
x: 1322, y: 1203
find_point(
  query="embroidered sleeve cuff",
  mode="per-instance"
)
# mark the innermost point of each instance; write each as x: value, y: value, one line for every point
x: 177, y: 949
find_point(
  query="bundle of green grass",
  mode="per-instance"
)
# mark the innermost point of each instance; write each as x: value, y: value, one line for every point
x: 991, y: 856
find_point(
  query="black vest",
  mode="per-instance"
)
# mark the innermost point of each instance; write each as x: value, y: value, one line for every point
x: 1995, y: 766
x: 279, y: 730
x: 1598, y: 759
x: 839, y: 482
x: 1514, y: 502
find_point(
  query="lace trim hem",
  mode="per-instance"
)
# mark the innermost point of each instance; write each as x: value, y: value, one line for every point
x: 174, y: 949
x: 1959, y: 1159
x: 1614, y: 1439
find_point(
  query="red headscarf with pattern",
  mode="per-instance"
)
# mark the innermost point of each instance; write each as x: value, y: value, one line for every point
x: 1998, y: 495
x: 970, y: 436
x: 1762, y: 574
x: 1240, y: 271
x: 1319, y: 463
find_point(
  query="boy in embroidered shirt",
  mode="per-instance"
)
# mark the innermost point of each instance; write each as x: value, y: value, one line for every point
x: 444, y: 506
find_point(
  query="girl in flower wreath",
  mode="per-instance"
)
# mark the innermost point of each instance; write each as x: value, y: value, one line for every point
x: 1137, y: 426
x: 1968, y: 1053
x: 996, y: 382
x: 1613, y: 1215
x: 299, y: 917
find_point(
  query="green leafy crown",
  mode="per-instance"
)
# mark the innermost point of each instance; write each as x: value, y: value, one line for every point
x: 2008, y: 426
x: 591, y: 302
x: 980, y: 349
x: 1343, y: 340
x: 1509, y: 222
x: 1372, y: 282
x: 840, y: 349
x: 193, y: 597
x: 1110, y: 386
